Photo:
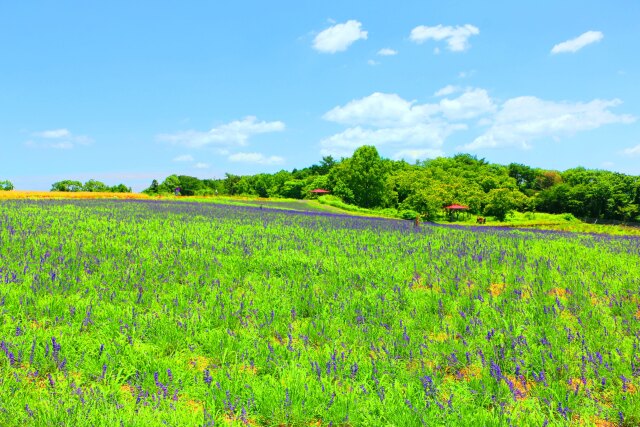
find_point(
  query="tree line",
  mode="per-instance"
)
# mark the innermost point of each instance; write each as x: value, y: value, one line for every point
x: 367, y: 180
x: 91, y: 186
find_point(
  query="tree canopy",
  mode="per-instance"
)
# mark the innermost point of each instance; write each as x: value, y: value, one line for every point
x: 91, y: 185
x: 6, y: 185
x: 370, y: 181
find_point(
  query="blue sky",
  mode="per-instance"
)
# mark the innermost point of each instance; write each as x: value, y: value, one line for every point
x: 125, y: 91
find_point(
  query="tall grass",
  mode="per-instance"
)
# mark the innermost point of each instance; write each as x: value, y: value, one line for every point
x: 160, y: 313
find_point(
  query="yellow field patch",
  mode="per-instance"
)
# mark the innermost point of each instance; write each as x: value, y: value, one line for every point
x: 439, y: 337
x: 252, y: 370
x: 559, y: 292
x: 497, y: 288
x: 194, y: 405
x: 200, y: 363
x: 68, y: 195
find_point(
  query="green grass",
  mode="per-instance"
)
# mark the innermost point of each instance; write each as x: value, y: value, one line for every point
x: 558, y: 222
x: 188, y: 314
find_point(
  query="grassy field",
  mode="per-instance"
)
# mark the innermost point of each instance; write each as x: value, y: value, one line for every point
x: 152, y: 312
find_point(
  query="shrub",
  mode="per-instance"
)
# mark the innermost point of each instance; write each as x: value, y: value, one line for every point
x: 408, y: 214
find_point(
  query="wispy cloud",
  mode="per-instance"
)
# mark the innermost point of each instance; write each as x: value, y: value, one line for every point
x: 53, y: 134
x: 632, y: 151
x: 447, y: 90
x: 183, y: 158
x: 387, y: 52
x: 257, y: 158
x: 339, y: 37
x: 457, y: 38
x: 574, y: 45
x: 235, y: 133
x: 60, y: 139
x: 201, y: 165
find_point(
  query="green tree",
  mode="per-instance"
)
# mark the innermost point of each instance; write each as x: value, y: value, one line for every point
x: 153, y: 188
x: 67, y: 185
x: 524, y: 175
x: 6, y: 186
x: 293, y: 189
x: 364, y: 175
x: 189, y: 185
x: 502, y: 201
x: 120, y: 188
x: 169, y: 185
x: 94, y: 186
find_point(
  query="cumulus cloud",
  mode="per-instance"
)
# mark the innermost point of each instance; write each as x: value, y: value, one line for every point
x: 406, y: 127
x: 409, y: 129
x: 457, y: 38
x: 391, y: 110
x: 574, y: 45
x: 523, y: 119
x: 60, y: 139
x: 387, y: 52
x: 632, y: 151
x: 380, y: 110
x: 201, y: 165
x: 431, y: 135
x: 235, y: 133
x: 472, y: 103
x: 257, y: 158
x: 183, y: 158
x: 339, y: 37
x: 447, y: 90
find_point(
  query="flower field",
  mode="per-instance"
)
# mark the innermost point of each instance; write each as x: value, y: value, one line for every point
x: 152, y: 312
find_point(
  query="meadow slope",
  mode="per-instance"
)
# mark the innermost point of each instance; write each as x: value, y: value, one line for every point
x: 144, y: 313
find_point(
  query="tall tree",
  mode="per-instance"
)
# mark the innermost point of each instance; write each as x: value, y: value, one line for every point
x: 365, y: 175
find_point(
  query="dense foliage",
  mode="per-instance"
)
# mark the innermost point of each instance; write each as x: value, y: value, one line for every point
x: 92, y: 186
x: 6, y: 186
x: 158, y: 313
x: 369, y: 181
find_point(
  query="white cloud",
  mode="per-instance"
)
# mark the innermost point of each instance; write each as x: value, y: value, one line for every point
x: 418, y: 154
x: 466, y: 74
x: 447, y: 90
x: 53, y: 134
x: 472, y: 103
x: 412, y: 130
x: 372, y: 62
x: 632, y: 151
x: 578, y: 43
x: 390, y: 110
x: 455, y: 37
x: 431, y: 135
x: 258, y: 158
x: 184, y: 158
x: 235, y: 133
x: 402, y: 126
x: 201, y: 166
x: 387, y: 52
x: 380, y: 110
x: 59, y: 139
x: 339, y: 37
x: 524, y: 119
